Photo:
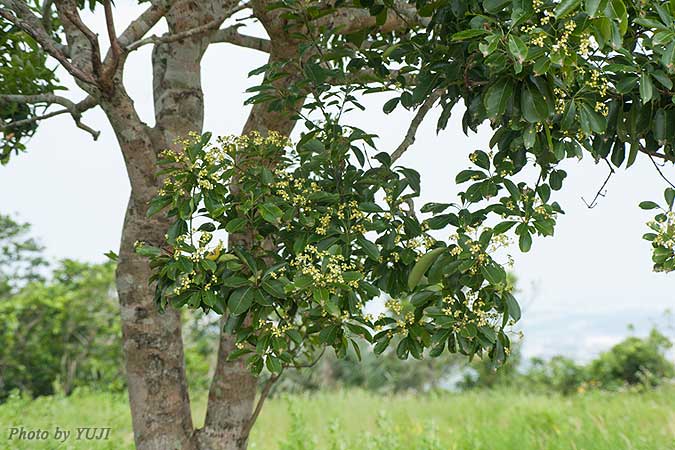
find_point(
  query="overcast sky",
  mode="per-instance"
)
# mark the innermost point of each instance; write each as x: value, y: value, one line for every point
x: 580, y: 288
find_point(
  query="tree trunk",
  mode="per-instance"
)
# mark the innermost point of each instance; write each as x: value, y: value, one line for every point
x: 233, y: 388
x: 153, y: 346
x: 153, y: 343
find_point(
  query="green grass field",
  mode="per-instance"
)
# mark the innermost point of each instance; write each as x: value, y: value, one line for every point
x: 358, y: 420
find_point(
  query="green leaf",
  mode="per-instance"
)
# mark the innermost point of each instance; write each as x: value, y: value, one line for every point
x: 157, y: 204
x: 646, y: 87
x: 266, y: 176
x: 273, y: 364
x: 370, y: 207
x: 556, y: 179
x: 235, y: 225
x: 329, y: 334
x: 236, y: 281
x: 525, y: 241
x: 352, y: 275
x: 616, y: 10
x: 209, y: 265
x: 402, y: 349
x: 422, y: 266
x: 648, y: 205
x: 493, y: 273
x: 495, y: 6
x: 530, y: 136
x: 148, y: 250
x: 512, y: 306
x: 513, y: 189
x: 591, y: 121
x: 275, y: 288
x: 669, y: 195
x: 497, y: 97
x: 468, y: 34
x: 294, y: 335
x: 390, y: 105
x: 566, y: 6
x: 593, y: 6
x: 369, y: 248
x: 618, y: 153
x: 503, y: 227
x: 270, y: 212
x: 518, y: 48
x: 240, y: 300
x: 532, y: 104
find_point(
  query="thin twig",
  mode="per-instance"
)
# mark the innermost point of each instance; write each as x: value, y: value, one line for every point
x: 601, y: 192
x: 409, y: 138
x: 74, y: 109
x: 311, y: 364
x: 143, y: 23
x: 168, y: 38
x: 658, y: 169
x: 656, y: 154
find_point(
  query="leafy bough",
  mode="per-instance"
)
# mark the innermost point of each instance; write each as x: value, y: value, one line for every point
x: 318, y: 231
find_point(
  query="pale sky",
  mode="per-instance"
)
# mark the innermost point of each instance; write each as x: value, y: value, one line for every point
x: 580, y: 288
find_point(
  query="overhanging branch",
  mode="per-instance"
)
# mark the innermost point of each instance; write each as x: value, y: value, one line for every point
x: 350, y: 19
x: 656, y: 154
x: 231, y: 35
x: 415, y: 123
x: 74, y: 109
x: 141, y: 25
x: 175, y: 37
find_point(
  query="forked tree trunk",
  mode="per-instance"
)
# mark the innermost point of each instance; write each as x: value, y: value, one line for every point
x: 233, y: 388
x: 153, y: 345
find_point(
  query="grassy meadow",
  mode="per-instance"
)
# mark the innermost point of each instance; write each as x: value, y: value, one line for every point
x: 343, y: 420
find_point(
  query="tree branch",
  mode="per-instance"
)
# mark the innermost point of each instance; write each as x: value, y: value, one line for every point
x: 47, y: 15
x: 196, y: 31
x: 658, y: 169
x: 230, y: 35
x: 110, y: 65
x: 110, y: 27
x: 311, y: 364
x: 258, y: 407
x: 74, y: 16
x: 350, y: 20
x: 19, y: 14
x: 74, y: 109
x: 409, y: 138
x: 141, y: 25
x: 656, y: 154
x: 601, y: 192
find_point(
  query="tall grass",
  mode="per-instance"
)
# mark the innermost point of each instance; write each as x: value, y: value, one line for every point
x: 347, y: 420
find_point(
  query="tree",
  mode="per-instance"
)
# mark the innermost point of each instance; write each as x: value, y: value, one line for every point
x: 40, y: 35
x: 554, y: 79
x: 634, y: 361
x: 63, y: 332
x: 20, y: 256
